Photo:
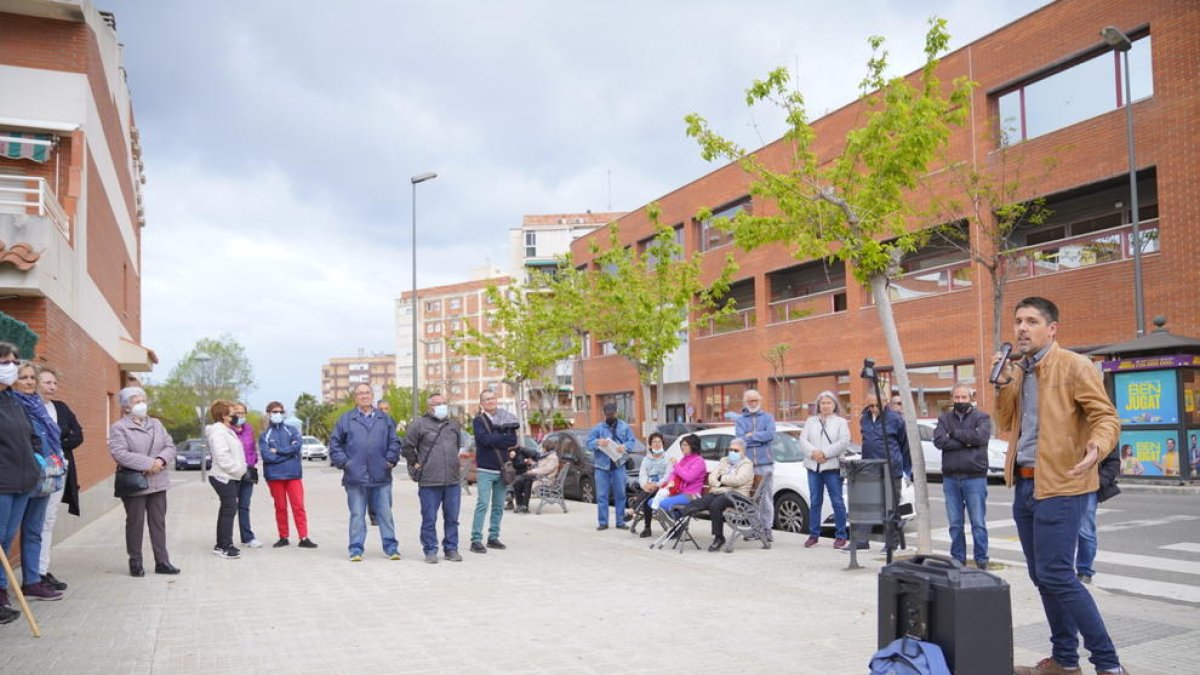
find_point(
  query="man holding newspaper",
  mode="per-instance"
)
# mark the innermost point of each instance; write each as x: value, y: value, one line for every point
x: 610, y: 443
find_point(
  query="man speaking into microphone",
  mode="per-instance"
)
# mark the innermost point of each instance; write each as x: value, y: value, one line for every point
x: 1059, y: 419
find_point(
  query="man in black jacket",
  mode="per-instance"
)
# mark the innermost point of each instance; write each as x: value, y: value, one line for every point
x: 962, y: 434
x: 1085, y: 554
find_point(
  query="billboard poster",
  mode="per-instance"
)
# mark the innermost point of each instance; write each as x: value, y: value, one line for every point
x: 1147, y: 397
x: 1193, y: 444
x: 1149, y: 453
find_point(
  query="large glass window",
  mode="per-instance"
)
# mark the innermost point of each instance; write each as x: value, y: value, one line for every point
x: 795, y: 396
x: 624, y: 402
x: 716, y: 400
x: 531, y: 244
x: 1075, y: 93
x: 710, y: 236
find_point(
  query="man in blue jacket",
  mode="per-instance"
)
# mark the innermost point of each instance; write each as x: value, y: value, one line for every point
x: 615, y: 436
x: 364, y: 446
x: 874, y: 424
x: 756, y: 427
x: 962, y: 434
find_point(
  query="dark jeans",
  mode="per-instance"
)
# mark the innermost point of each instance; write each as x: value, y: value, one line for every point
x: 522, y: 488
x: 245, y: 491
x: 447, y: 498
x: 820, y: 482
x: 716, y: 505
x: 228, y: 494
x: 1048, y: 529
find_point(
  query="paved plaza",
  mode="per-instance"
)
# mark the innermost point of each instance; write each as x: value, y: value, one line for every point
x: 563, y: 598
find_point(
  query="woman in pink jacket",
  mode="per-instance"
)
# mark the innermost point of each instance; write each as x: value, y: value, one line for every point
x: 686, y: 480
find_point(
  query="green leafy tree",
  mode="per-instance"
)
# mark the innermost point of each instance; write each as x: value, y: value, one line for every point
x: 400, y: 399
x: 854, y: 206
x: 528, y: 332
x: 313, y: 414
x: 640, y: 300
x: 210, y: 370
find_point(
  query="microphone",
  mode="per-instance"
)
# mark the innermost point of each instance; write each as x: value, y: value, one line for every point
x: 1005, y: 355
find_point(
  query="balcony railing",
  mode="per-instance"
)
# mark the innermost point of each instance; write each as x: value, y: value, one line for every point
x: 817, y: 304
x: 953, y: 276
x: 743, y: 319
x: 32, y: 195
x: 1095, y: 248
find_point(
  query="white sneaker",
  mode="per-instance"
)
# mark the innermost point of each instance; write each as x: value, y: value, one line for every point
x: 254, y: 543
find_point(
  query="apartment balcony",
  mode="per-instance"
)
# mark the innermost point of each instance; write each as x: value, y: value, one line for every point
x: 806, y: 306
x: 36, y: 256
x: 740, y: 320
x: 1095, y: 248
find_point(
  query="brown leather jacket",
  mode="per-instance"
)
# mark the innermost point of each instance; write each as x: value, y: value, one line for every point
x: 1073, y: 409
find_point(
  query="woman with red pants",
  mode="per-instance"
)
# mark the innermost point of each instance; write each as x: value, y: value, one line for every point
x: 279, y: 449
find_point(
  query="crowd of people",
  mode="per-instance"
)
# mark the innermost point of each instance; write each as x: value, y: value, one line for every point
x: 1058, y: 485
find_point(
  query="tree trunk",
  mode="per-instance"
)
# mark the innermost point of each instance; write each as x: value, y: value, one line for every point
x: 662, y: 398
x: 887, y: 322
x: 998, y: 280
x: 647, y: 407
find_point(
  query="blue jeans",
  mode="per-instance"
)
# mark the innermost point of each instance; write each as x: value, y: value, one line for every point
x: 448, y: 498
x: 671, y: 502
x: 1086, y: 555
x: 969, y: 494
x: 245, y: 490
x: 610, y: 482
x: 12, y: 512
x: 818, y: 483
x: 1048, y: 529
x: 491, y: 489
x: 31, y: 539
x: 380, y: 498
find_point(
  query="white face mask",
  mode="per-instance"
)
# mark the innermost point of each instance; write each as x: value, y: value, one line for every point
x: 441, y: 411
x: 276, y: 418
x: 140, y: 410
x: 8, y: 373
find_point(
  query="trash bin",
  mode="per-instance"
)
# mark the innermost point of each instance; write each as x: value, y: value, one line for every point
x: 967, y: 612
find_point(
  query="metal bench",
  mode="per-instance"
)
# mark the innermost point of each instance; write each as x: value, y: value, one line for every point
x: 552, y: 492
x: 745, y: 519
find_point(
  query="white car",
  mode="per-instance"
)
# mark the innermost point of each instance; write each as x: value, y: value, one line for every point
x: 312, y: 448
x: 933, y: 457
x: 791, y: 478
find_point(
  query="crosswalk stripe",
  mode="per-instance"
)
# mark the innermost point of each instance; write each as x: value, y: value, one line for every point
x: 1162, y: 589
x: 1187, y: 547
x: 1109, y: 557
x: 1139, y: 524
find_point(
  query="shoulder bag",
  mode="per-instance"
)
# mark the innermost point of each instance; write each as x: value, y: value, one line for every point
x: 128, y: 482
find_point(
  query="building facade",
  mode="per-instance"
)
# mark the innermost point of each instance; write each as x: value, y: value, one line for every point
x: 442, y: 312
x: 543, y: 238
x: 1049, y: 91
x: 343, y: 373
x: 71, y: 215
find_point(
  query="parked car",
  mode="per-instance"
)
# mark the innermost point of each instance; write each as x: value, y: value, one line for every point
x: 933, y: 457
x: 190, y: 453
x: 673, y: 430
x: 791, y: 478
x: 312, y: 448
x: 572, y: 446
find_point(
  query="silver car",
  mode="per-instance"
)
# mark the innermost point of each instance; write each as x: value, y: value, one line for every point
x: 312, y: 448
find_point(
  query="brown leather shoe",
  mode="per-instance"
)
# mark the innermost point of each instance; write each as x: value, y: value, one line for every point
x: 1047, y: 666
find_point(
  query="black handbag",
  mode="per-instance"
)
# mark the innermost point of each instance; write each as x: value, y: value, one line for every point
x: 251, y: 474
x: 128, y: 482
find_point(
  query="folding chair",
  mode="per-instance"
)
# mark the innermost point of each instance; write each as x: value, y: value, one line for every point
x: 675, y: 530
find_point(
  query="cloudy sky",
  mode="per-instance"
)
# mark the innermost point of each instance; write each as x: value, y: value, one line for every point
x: 279, y: 138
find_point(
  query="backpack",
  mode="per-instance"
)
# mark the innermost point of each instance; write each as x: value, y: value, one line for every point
x: 909, y: 656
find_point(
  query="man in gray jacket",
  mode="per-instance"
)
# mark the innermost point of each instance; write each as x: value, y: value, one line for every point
x: 431, y: 450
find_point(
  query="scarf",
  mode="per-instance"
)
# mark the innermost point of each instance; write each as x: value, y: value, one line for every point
x: 35, y: 410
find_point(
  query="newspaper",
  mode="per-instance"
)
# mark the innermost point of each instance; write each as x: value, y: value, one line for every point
x: 614, y: 450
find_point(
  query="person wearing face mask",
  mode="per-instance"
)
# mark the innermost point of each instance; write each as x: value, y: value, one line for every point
x: 139, y: 442
x: 245, y: 434
x: 612, y: 435
x: 545, y: 471
x: 228, y: 469
x: 431, y: 447
x: 734, y: 473
x: 654, y: 469
x: 364, y: 447
x: 962, y: 434
x: 19, y: 472
x: 756, y: 427
x: 825, y: 439
x: 279, y: 447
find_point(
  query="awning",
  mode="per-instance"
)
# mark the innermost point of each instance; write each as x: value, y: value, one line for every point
x: 35, y: 147
x: 134, y: 357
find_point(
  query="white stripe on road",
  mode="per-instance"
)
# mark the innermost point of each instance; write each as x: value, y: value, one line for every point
x: 1161, y: 589
x: 1182, y: 546
x: 1113, y: 558
x: 1138, y: 524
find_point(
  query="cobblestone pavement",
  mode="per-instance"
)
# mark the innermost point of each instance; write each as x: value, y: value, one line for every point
x: 563, y: 598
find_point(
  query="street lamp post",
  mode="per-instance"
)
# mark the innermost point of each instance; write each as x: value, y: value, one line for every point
x: 202, y: 387
x: 419, y: 178
x: 1121, y: 43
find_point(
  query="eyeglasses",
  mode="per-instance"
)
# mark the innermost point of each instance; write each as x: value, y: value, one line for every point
x: 272, y: 412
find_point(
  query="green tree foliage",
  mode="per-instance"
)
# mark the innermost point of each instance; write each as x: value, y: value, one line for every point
x: 313, y: 413
x: 855, y: 206
x: 640, y: 300
x: 210, y: 370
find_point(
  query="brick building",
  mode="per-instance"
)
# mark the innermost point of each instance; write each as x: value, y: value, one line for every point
x: 343, y: 373
x: 71, y: 214
x: 443, y: 311
x: 544, y: 237
x: 1048, y: 78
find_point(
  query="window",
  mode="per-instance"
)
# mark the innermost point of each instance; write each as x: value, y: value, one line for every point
x: 710, y: 236
x: 624, y: 401
x: 433, y: 306
x: 433, y: 348
x: 455, y: 303
x: 718, y: 399
x: 930, y: 384
x: 456, y: 325
x: 531, y: 244
x: 607, y: 348
x: 794, y: 396
x: 432, y: 327
x: 1079, y: 91
x: 586, y: 349
x: 456, y: 368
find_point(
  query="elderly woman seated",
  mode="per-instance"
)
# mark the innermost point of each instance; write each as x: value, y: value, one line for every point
x: 544, y: 472
x: 733, y: 474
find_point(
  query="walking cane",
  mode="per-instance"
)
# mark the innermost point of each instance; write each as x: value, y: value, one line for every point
x: 16, y: 589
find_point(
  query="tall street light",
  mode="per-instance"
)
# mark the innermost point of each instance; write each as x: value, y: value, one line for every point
x: 419, y: 178
x: 202, y: 386
x: 1120, y: 42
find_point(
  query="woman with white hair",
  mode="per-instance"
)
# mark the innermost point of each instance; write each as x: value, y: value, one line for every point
x: 825, y: 439
x: 139, y: 442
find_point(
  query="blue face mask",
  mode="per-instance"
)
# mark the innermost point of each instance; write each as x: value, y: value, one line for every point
x: 735, y: 457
